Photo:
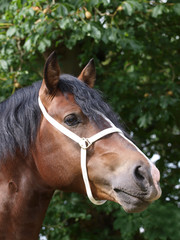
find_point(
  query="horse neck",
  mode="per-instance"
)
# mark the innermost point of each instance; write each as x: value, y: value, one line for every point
x: 24, y: 199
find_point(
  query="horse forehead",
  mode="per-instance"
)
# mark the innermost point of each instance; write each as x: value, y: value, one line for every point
x: 64, y: 97
x: 63, y: 102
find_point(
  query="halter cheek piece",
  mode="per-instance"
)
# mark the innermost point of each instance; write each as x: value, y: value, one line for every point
x: 84, y: 143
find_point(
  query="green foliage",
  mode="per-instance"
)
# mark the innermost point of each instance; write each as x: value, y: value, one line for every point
x: 136, y: 46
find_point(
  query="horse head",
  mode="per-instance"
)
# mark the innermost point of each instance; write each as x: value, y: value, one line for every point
x: 116, y: 169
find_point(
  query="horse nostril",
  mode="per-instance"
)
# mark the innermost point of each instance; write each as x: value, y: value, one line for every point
x: 139, y: 173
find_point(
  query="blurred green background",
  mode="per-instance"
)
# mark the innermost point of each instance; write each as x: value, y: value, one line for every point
x: 136, y: 48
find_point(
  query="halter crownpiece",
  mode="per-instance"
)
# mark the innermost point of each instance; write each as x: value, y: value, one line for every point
x: 84, y: 143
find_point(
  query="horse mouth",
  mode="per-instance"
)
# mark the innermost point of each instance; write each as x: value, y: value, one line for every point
x: 131, y: 203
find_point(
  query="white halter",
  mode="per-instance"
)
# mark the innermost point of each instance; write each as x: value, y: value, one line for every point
x: 84, y: 143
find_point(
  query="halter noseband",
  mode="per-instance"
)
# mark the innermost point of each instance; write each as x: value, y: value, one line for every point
x: 84, y: 143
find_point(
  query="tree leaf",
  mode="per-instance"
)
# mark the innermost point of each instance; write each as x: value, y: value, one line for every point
x: 86, y: 27
x: 27, y: 44
x: 42, y: 46
x: 176, y: 8
x: 11, y: 31
x: 158, y: 10
x: 128, y: 8
x: 95, y: 32
x: 63, y: 24
x: 3, y: 64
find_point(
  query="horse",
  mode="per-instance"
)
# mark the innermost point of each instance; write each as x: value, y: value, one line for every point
x: 60, y: 134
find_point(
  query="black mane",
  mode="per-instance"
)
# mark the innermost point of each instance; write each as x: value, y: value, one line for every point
x: 19, y: 120
x: 20, y: 114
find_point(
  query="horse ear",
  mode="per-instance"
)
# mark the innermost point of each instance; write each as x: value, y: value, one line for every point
x: 51, y: 73
x: 88, y: 74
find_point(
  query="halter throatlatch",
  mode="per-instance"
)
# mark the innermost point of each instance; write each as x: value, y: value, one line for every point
x: 84, y: 143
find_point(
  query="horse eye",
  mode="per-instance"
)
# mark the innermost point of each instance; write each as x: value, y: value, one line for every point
x: 71, y: 120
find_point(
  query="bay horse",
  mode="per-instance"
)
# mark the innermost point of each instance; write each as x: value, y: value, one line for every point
x: 60, y: 134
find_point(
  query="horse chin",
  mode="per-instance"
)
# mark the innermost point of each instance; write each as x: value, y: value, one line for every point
x: 130, y: 204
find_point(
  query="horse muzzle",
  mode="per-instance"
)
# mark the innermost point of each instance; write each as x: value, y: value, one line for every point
x: 137, y: 190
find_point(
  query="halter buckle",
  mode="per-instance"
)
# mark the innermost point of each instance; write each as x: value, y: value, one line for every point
x: 85, y: 143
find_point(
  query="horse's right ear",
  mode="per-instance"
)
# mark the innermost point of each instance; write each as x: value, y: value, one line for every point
x: 51, y: 74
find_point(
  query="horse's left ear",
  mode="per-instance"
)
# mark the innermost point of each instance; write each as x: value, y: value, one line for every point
x: 88, y: 74
x: 51, y: 73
